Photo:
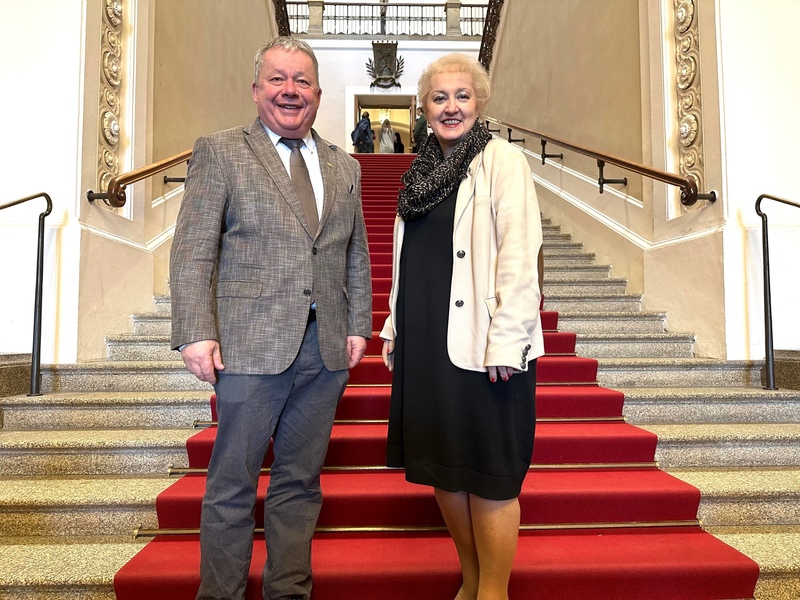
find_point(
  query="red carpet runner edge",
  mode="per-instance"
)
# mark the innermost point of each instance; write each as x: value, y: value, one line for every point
x: 595, y: 510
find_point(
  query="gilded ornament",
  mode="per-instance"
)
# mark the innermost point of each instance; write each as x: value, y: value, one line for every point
x: 111, y: 128
x: 114, y: 12
x: 687, y: 130
x: 684, y: 14
x: 687, y: 101
x: 686, y: 72
x: 111, y: 68
x: 111, y: 100
x: 113, y: 41
x: 690, y: 159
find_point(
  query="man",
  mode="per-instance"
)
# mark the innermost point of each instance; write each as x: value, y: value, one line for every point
x: 363, y: 136
x: 420, y: 130
x: 272, y: 308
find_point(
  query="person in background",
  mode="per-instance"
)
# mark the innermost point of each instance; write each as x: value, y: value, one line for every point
x: 464, y: 333
x: 387, y: 137
x: 399, y: 148
x: 363, y: 137
x: 271, y: 322
x: 420, y: 131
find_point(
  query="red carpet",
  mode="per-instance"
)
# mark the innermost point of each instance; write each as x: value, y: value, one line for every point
x: 599, y: 520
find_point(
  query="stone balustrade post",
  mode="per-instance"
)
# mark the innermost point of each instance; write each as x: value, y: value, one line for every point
x: 452, y: 10
x: 315, y: 10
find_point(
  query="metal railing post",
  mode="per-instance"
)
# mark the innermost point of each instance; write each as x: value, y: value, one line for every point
x: 36, y: 350
x: 769, y: 348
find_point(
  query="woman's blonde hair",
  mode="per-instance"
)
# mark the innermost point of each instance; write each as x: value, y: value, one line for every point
x: 456, y: 63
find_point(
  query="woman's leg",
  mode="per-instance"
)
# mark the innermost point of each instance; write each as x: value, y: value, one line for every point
x: 495, y: 529
x: 455, y: 507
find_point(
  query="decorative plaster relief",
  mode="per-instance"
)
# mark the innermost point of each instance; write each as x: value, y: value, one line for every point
x: 687, y: 85
x: 111, y: 81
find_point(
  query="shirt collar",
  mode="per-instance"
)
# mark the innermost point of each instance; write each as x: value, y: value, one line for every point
x: 308, y: 139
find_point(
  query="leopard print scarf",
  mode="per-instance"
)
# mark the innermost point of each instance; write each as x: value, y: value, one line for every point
x: 432, y: 177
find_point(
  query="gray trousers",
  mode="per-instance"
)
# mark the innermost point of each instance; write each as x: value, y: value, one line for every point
x: 296, y: 408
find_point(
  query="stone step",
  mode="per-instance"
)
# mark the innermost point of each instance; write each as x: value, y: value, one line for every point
x: 63, y: 568
x: 67, y: 506
x: 727, y: 444
x: 640, y: 345
x: 82, y: 410
x: 140, y: 347
x: 552, y: 273
x: 563, y: 248
x: 92, y: 451
x: 711, y: 405
x: 584, y: 286
x: 581, y: 322
x: 556, y: 237
x: 671, y: 372
x: 163, y: 305
x: 156, y: 348
x: 120, y: 375
x: 593, y: 303
x: 777, y: 552
x: 746, y: 496
x: 568, y: 260
x: 152, y: 324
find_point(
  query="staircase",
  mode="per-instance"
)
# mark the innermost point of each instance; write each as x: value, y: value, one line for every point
x: 84, y: 464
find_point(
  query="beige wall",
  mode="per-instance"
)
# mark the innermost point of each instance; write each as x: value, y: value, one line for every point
x: 194, y: 69
x: 202, y: 76
x: 570, y: 69
x: 602, y: 75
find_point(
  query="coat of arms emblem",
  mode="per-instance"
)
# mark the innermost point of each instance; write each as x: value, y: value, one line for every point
x: 386, y: 67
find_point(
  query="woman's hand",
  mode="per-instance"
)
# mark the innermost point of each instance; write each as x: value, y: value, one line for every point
x: 504, y: 372
x: 388, y: 354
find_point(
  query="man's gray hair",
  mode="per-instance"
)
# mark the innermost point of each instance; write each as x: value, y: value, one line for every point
x: 290, y: 44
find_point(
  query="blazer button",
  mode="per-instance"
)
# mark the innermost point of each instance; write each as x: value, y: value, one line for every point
x: 459, y: 303
x: 461, y: 254
x: 314, y: 251
x: 522, y: 365
x: 306, y: 292
x: 528, y: 347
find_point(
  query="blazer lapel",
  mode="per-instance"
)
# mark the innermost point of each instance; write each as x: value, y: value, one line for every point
x: 265, y: 152
x: 466, y: 190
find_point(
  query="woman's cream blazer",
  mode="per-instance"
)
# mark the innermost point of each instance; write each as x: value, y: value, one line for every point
x: 494, y: 291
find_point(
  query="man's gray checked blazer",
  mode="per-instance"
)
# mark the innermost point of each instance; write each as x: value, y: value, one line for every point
x: 243, y: 260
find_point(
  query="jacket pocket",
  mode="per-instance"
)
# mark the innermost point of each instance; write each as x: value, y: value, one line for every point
x: 238, y: 289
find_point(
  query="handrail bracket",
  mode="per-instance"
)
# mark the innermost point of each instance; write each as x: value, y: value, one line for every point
x: 512, y: 140
x: 601, y: 181
x: 546, y: 155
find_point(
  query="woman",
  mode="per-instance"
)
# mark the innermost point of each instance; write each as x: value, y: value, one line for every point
x: 387, y: 137
x: 399, y: 148
x: 464, y: 331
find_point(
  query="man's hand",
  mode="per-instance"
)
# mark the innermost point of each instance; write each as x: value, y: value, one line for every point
x: 388, y: 354
x: 504, y: 372
x: 203, y: 359
x: 356, y: 346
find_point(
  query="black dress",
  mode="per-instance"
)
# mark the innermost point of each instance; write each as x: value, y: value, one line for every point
x: 450, y: 428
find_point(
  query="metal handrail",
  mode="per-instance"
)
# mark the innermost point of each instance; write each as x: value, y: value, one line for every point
x: 115, y: 196
x: 768, y: 343
x: 687, y: 185
x: 36, y: 352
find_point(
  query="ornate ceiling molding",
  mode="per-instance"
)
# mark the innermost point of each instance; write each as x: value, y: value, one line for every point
x: 111, y: 79
x: 687, y: 86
